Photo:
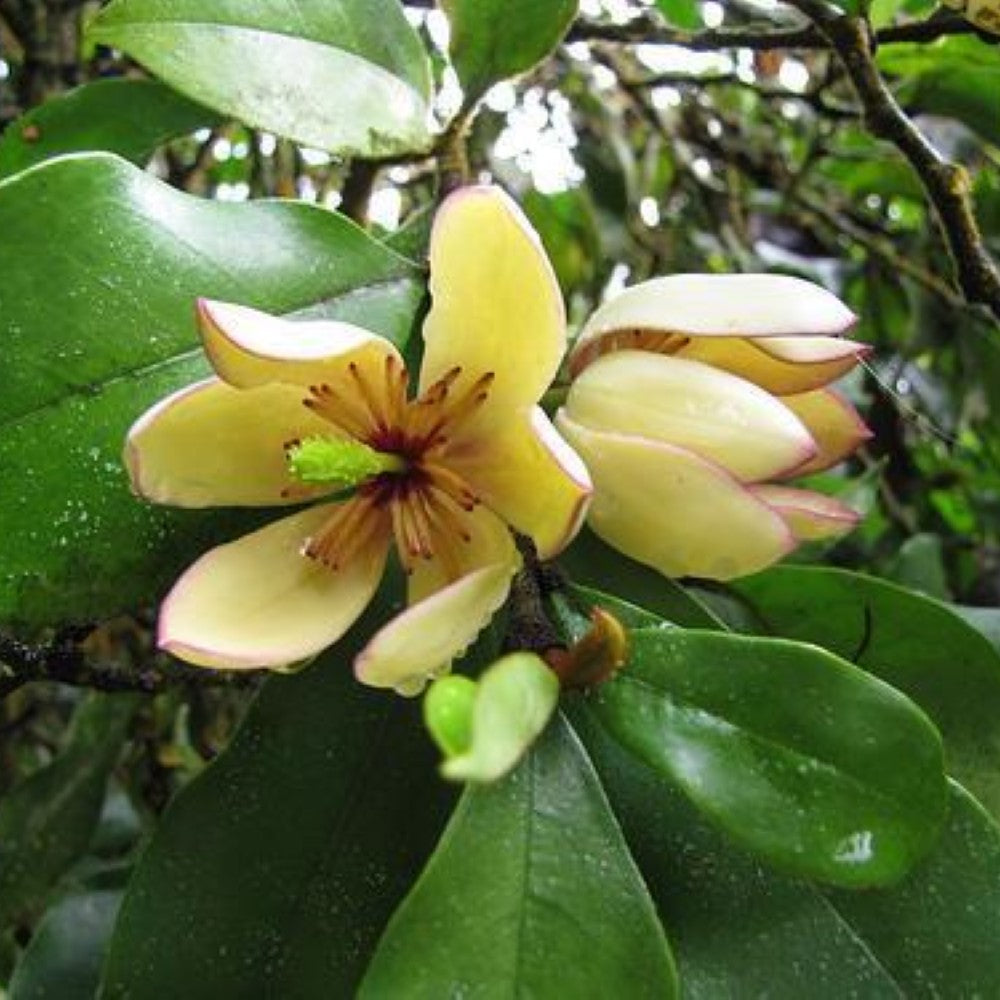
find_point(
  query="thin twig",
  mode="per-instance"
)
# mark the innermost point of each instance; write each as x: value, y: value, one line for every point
x: 66, y: 660
x: 648, y: 28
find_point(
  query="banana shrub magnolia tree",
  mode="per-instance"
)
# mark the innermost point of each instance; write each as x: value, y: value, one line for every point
x: 544, y: 714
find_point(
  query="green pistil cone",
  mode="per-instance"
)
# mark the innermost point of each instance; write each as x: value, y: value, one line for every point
x: 322, y: 461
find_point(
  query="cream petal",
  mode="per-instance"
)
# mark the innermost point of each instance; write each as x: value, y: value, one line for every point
x: 495, y: 302
x: 528, y: 474
x: 668, y: 508
x: 810, y: 516
x: 420, y: 643
x: 248, y: 347
x: 834, y: 424
x: 258, y: 602
x: 714, y: 414
x: 769, y: 363
x: 210, y: 445
x: 716, y: 305
x: 487, y: 541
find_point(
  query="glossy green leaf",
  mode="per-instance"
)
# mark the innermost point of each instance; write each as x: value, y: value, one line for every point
x: 47, y: 821
x: 492, y: 40
x: 349, y: 76
x: 590, y: 562
x: 107, y: 288
x: 799, y: 756
x: 515, y: 698
x: 96, y: 324
x: 531, y: 892
x: 917, y: 644
x: 128, y: 117
x: 274, y: 872
x: 742, y: 929
x: 63, y: 958
x: 738, y: 928
x: 936, y: 932
x: 957, y: 76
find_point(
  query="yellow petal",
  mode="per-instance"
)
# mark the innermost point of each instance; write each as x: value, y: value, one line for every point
x: 715, y: 305
x: 211, y: 445
x: 528, y: 474
x: 258, y: 602
x: 495, y: 302
x: 487, y: 541
x: 810, y: 516
x: 833, y: 423
x: 694, y: 406
x: 420, y: 643
x: 248, y: 347
x: 769, y: 363
x: 668, y: 508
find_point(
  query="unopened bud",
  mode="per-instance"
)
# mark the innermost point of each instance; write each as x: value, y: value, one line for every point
x: 448, y: 713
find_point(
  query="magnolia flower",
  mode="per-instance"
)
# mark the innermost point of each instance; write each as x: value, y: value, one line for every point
x: 299, y: 410
x: 694, y: 398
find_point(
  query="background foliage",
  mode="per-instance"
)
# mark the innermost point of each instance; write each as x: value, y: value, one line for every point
x: 168, y: 832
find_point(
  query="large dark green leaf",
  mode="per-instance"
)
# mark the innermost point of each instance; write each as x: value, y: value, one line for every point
x: 275, y: 871
x: 495, y: 39
x: 799, y: 756
x: 345, y: 75
x: 101, y: 266
x: 531, y: 892
x: 916, y: 643
x: 127, y: 117
x: 936, y: 932
x: 102, y: 263
x: 63, y: 959
x: 47, y: 821
x: 737, y: 927
x: 741, y: 929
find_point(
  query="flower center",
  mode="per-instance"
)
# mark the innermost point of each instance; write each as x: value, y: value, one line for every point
x: 397, y: 458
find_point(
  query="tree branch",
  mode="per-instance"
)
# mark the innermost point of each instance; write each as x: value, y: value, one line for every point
x: 649, y: 28
x: 947, y: 184
x: 68, y: 660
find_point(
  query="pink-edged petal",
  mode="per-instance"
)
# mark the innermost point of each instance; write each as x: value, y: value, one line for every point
x: 210, y: 445
x: 769, y: 363
x: 834, y: 424
x: 248, y: 347
x: 258, y: 602
x: 716, y: 415
x: 810, y: 516
x: 530, y: 476
x: 420, y: 643
x: 714, y: 305
x: 495, y: 302
x: 668, y: 508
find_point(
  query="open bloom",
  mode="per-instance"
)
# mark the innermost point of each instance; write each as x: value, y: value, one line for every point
x: 694, y: 398
x: 302, y: 409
